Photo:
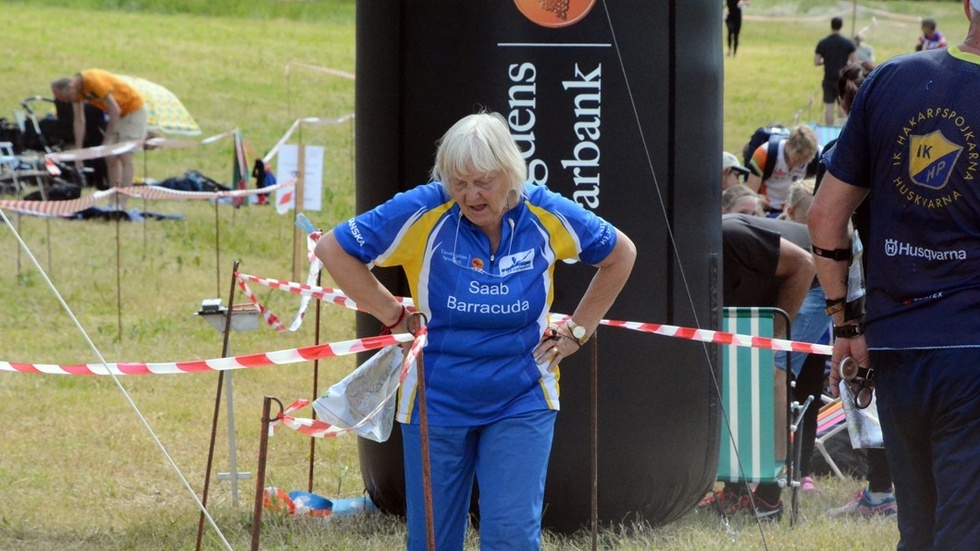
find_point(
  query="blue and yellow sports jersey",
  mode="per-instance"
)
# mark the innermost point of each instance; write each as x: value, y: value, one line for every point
x: 486, y: 312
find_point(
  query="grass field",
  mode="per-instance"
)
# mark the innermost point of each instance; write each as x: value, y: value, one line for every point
x: 78, y: 470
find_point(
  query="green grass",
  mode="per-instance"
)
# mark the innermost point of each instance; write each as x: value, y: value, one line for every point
x: 77, y: 468
x: 773, y: 78
x: 296, y: 10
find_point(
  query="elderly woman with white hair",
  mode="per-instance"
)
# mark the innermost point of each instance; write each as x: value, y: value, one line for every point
x: 478, y: 246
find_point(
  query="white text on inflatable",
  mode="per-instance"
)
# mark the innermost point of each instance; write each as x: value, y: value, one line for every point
x: 585, y: 155
x: 522, y: 102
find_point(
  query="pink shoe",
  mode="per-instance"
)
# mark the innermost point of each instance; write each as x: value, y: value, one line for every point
x: 807, y: 484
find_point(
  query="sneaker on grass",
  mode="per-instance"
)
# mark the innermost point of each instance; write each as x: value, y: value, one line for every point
x: 862, y: 504
x: 762, y: 510
x: 722, y: 501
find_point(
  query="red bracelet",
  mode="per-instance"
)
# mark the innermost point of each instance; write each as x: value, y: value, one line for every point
x: 387, y: 328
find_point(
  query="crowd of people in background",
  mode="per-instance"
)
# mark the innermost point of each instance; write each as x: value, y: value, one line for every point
x: 928, y: 453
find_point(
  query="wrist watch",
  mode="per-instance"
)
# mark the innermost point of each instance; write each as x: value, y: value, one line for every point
x: 578, y: 332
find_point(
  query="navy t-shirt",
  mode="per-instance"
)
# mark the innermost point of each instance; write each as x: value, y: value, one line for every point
x: 912, y: 139
x: 835, y: 50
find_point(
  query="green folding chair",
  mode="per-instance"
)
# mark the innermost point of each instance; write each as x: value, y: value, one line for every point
x: 747, y: 447
x: 748, y: 439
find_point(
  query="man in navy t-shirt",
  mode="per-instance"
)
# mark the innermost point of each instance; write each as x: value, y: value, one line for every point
x: 833, y: 52
x: 911, y: 145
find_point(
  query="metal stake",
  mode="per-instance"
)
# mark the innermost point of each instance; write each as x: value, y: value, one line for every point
x: 260, y: 475
x: 316, y: 378
x: 217, y: 407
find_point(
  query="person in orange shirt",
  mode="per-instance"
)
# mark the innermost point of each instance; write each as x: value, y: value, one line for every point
x: 126, y: 114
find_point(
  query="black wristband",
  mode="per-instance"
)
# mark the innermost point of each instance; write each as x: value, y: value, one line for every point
x: 848, y: 331
x: 840, y: 255
x: 854, y: 309
x: 832, y: 301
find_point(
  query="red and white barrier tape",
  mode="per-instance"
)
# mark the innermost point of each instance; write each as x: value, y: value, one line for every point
x: 325, y: 294
x: 56, y: 208
x: 721, y: 337
x: 688, y: 333
x: 111, y: 150
x: 321, y: 429
x: 95, y: 152
x: 67, y: 208
x: 279, y: 357
x: 270, y: 318
x: 310, y: 427
x: 313, y: 121
x: 158, y: 192
x: 357, y: 345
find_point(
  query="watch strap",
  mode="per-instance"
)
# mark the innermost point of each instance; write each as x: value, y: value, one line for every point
x: 848, y: 331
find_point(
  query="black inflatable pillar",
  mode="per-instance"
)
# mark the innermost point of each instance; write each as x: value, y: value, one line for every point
x: 618, y: 106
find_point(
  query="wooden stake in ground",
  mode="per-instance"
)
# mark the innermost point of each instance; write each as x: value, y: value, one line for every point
x: 299, y: 235
x: 418, y: 320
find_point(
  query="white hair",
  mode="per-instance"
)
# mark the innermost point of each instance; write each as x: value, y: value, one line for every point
x: 479, y: 144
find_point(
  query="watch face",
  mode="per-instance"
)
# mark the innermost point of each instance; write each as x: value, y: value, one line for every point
x: 578, y: 332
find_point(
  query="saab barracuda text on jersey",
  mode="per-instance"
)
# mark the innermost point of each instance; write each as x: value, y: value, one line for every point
x: 474, y: 303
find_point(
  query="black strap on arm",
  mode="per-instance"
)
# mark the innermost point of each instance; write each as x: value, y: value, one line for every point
x: 854, y: 309
x: 840, y: 255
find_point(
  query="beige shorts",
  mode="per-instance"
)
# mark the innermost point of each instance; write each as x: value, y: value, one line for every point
x: 130, y: 127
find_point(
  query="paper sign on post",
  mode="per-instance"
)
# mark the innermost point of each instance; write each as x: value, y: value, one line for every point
x: 286, y: 164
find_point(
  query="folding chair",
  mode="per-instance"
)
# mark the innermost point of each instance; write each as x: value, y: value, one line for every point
x: 825, y: 133
x: 16, y: 169
x: 747, y: 450
x: 830, y: 421
x: 8, y: 164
